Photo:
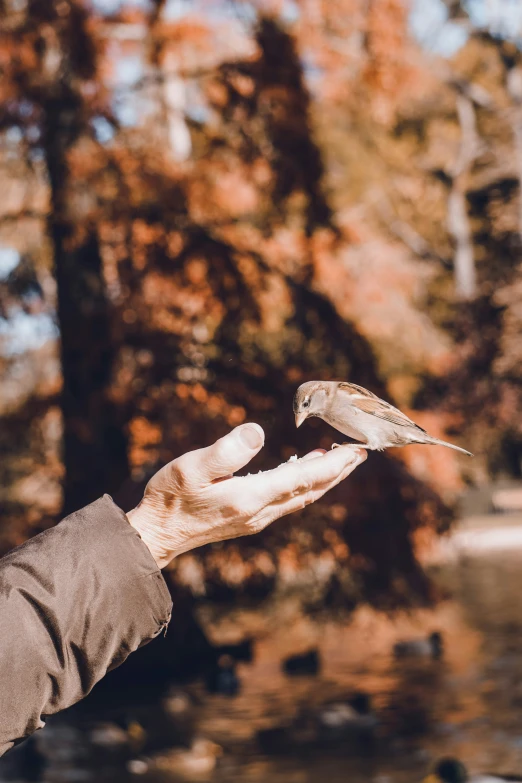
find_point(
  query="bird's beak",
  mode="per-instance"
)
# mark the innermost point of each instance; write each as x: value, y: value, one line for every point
x: 431, y: 779
x: 299, y: 418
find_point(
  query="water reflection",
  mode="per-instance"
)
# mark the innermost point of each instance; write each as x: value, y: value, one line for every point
x: 366, y: 711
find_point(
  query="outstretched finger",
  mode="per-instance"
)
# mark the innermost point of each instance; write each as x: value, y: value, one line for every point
x: 279, y: 509
x: 297, y: 478
x: 313, y: 455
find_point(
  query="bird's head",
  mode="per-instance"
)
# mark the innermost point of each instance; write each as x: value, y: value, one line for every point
x: 448, y: 771
x: 310, y: 400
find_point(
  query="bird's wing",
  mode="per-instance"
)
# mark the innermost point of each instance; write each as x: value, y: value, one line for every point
x: 353, y: 390
x: 368, y: 402
x: 490, y: 778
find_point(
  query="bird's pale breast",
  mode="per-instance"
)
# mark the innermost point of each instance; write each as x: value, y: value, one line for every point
x: 374, y: 432
x: 346, y: 419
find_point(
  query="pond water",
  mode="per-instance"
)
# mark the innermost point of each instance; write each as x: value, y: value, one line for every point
x: 465, y: 703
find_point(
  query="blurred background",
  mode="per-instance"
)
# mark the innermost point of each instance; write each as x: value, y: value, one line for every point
x: 204, y: 204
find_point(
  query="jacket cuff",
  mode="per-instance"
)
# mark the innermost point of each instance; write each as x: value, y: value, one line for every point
x: 118, y: 599
x: 75, y: 601
x: 130, y: 566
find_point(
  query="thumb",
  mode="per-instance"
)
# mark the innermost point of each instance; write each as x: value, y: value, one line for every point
x: 229, y: 453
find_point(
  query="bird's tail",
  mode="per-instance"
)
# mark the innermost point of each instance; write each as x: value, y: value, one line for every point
x: 438, y: 442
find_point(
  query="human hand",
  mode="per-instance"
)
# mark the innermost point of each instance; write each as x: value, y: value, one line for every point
x: 195, y: 499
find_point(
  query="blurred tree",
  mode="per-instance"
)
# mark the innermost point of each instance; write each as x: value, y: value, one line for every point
x: 200, y: 280
x: 485, y: 385
x: 50, y: 68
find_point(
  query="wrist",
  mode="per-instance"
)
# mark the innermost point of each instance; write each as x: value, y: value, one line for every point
x: 150, y: 529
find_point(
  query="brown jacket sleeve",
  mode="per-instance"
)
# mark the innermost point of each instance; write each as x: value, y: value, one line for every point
x: 74, y: 602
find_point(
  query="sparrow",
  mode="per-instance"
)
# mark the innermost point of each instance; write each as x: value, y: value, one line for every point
x: 360, y: 415
x: 432, y: 647
x: 452, y: 770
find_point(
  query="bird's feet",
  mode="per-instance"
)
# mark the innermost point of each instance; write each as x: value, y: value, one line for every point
x: 353, y: 445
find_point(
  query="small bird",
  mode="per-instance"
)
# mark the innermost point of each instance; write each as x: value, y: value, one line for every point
x: 453, y: 771
x: 339, y: 719
x: 360, y: 415
x: 195, y: 762
x: 240, y: 651
x: 222, y: 678
x: 432, y: 647
x: 308, y: 662
x: 348, y: 724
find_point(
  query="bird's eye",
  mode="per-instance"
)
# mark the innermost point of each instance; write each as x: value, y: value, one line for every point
x: 306, y: 404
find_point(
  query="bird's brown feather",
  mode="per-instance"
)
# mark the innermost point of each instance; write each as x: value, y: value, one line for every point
x: 353, y: 389
x: 369, y: 403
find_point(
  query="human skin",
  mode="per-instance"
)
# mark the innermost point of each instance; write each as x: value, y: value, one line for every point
x: 196, y: 499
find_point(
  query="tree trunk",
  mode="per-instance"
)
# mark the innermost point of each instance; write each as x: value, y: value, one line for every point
x: 95, y: 448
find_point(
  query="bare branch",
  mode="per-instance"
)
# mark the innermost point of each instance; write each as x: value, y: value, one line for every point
x: 407, y: 234
x: 24, y: 214
x: 457, y: 215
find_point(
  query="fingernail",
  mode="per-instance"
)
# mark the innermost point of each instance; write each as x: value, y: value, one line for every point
x: 251, y: 436
x: 356, y: 455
